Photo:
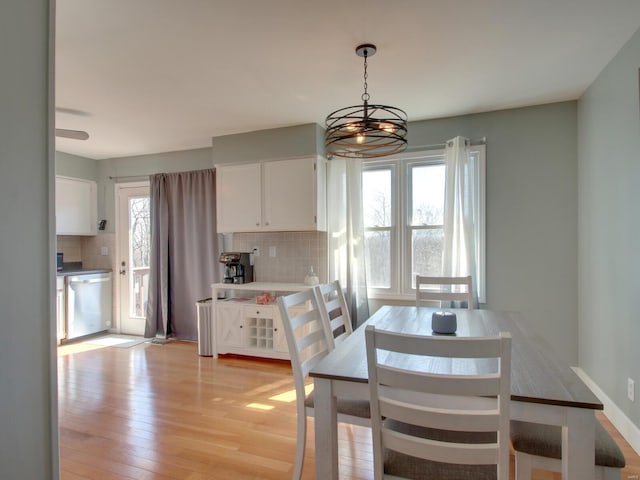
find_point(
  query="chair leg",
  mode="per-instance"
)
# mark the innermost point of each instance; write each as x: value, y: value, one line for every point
x: 523, y: 466
x: 301, y: 442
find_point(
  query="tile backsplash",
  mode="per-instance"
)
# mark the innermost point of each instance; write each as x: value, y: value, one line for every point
x: 71, y: 247
x: 294, y: 253
x: 88, y: 250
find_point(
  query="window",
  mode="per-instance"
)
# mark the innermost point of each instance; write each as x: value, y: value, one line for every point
x: 403, y: 206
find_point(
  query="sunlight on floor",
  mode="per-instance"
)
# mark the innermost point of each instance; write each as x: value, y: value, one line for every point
x: 93, y: 343
x: 260, y: 406
x: 68, y: 349
x: 290, y: 395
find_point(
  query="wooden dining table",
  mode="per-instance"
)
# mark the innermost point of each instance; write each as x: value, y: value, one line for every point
x: 544, y: 388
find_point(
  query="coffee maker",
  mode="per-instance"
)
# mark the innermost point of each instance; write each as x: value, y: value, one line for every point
x: 237, y: 267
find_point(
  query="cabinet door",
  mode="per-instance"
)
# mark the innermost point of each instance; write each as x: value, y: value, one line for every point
x: 289, y: 199
x: 229, y: 326
x: 238, y: 198
x: 76, y: 206
x: 279, y: 335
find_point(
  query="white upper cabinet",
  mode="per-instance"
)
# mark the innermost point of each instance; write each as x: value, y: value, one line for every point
x: 279, y: 195
x: 76, y: 206
x: 238, y: 197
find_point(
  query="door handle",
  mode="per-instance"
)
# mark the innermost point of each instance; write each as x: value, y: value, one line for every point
x: 122, y: 269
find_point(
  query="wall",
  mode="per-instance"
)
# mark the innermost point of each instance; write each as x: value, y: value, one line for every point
x: 531, y: 204
x: 28, y: 396
x: 297, y: 141
x: 531, y: 211
x: 70, y: 165
x: 128, y: 169
x: 531, y: 201
x: 609, y: 174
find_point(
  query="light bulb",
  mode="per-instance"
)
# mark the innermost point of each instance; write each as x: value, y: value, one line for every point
x: 360, y: 138
x: 387, y: 127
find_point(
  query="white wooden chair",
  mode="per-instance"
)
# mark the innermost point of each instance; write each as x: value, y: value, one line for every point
x: 444, y: 289
x: 308, y: 343
x: 540, y: 446
x: 334, y: 311
x: 438, y: 425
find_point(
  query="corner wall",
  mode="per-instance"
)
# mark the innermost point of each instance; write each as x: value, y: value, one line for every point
x: 28, y: 394
x: 609, y: 229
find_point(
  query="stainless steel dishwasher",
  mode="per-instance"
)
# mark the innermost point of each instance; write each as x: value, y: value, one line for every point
x: 89, y: 304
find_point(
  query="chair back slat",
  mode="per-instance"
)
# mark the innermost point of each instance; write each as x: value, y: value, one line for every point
x: 444, y: 289
x: 334, y: 311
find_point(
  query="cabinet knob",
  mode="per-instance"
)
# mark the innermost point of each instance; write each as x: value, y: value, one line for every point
x: 257, y: 224
x: 266, y: 223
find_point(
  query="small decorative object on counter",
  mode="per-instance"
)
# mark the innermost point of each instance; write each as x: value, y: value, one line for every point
x: 264, y: 298
x: 444, y: 322
x: 311, y: 278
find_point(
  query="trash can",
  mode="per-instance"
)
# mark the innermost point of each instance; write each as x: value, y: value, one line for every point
x: 205, y: 327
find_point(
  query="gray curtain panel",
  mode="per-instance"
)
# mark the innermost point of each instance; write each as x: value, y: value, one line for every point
x: 184, y: 251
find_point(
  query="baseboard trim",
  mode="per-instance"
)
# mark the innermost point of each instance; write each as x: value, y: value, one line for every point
x: 626, y: 427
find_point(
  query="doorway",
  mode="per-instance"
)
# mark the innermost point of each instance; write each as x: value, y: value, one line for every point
x: 133, y: 250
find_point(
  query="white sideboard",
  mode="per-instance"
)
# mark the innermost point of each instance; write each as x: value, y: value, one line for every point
x: 243, y: 327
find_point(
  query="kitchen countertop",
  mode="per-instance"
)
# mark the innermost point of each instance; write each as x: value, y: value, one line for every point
x: 75, y: 268
x: 263, y: 286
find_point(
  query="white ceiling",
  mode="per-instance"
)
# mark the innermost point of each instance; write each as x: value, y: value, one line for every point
x: 148, y: 76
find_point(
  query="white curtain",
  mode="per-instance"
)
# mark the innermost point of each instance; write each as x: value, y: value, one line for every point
x: 459, y: 251
x: 346, y: 234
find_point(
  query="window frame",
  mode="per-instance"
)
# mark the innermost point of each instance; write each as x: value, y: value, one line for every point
x: 401, y: 256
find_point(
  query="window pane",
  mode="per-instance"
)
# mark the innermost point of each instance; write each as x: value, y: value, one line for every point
x: 139, y: 254
x: 376, y: 197
x: 377, y: 249
x: 426, y: 248
x: 427, y: 194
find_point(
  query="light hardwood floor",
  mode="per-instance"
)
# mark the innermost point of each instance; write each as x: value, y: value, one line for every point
x: 163, y: 412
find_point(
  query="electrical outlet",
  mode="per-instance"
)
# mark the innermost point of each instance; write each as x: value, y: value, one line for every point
x: 256, y: 251
x: 104, y: 250
x: 272, y: 251
x: 631, y: 386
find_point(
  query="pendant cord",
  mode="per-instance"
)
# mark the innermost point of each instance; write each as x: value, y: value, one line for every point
x: 365, y: 96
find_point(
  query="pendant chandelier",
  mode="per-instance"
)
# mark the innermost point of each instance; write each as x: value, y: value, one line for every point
x: 367, y: 130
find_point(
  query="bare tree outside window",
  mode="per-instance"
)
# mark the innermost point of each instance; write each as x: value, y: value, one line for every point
x: 423, y: 225
x: 140, y: 225
x: 140, y: 253
x: 376, y: 190
x: 427, y: 218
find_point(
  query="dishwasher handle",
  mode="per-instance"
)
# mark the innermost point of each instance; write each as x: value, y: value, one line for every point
x: 78, y: 280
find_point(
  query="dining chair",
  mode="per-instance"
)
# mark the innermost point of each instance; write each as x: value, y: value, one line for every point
x: 443, y: 289
x: 308, y: 343
x: 334, y: 311
x: 428, y: 425
x: 540, y: 446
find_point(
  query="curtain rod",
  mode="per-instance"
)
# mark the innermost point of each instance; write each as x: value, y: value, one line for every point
x: 122, y: 177
x: 440, y: 146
